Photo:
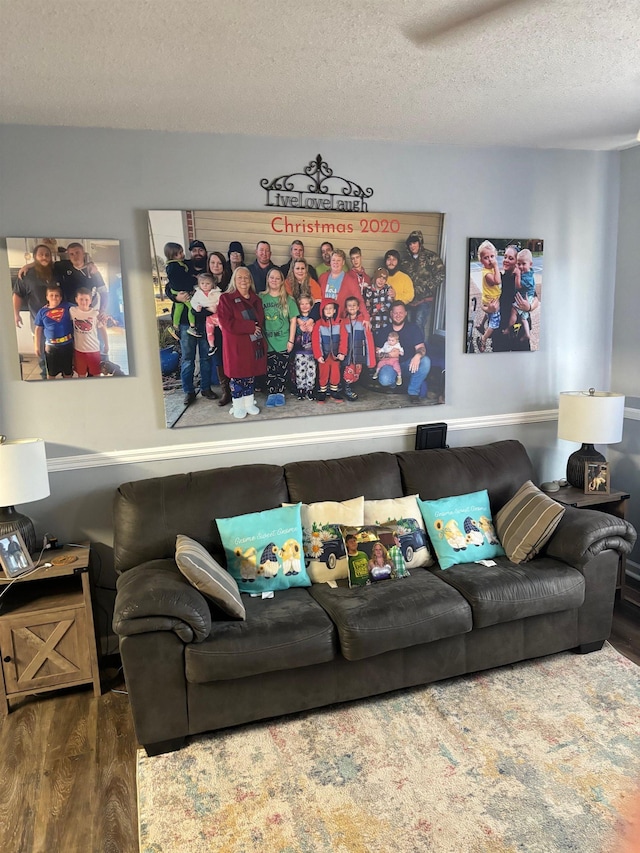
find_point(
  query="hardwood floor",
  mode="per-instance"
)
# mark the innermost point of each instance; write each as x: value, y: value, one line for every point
x: 68, y: 769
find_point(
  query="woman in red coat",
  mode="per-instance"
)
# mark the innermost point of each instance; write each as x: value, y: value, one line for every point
x: 339, y: 285
x: 244, y: 353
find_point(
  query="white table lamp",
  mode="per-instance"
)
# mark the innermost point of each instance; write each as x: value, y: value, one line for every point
x: 23, y: 478
x: 589, y: 417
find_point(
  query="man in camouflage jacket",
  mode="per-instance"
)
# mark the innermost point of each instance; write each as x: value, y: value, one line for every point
x: 426, y: 270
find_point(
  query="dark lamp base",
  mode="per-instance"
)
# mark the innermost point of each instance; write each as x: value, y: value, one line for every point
x: 12, y: 520
x: 575, y: 464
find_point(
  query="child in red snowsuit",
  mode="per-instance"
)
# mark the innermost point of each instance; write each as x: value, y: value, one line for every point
x: 329, y: 347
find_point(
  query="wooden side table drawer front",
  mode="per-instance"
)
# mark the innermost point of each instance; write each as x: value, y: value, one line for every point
x: 47, y: 638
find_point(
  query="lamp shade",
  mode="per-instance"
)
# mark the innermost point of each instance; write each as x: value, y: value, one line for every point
x: 23, y: 472
x: 591, y: 417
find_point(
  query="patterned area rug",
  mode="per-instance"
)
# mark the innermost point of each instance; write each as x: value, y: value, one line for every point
x: 537, y: 757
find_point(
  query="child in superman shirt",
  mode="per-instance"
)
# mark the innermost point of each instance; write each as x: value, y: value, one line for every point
x: 54, y: 334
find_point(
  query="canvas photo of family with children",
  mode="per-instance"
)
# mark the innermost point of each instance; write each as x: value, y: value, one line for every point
x: 504, y: 294
x: 68, y: 307
x: 280, y: 314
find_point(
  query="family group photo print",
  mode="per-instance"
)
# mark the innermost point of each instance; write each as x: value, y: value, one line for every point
x: 504, y: 294
x: 68, y: 307
x: 285, y: 314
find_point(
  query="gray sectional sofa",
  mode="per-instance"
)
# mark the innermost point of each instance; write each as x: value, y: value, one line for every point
x: 190, y: 669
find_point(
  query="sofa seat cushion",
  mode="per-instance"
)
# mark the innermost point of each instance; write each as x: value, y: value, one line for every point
x: 393, y: 614
x: 284, y: 632
x: 506, y: 591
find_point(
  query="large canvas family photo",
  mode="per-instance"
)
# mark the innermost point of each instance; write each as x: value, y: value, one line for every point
x: 68, y: 307
x: 504, y: 294
x: 280, y: 314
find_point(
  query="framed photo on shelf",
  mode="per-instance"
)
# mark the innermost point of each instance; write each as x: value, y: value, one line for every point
x: 596, y: 478
x: 14, y: 557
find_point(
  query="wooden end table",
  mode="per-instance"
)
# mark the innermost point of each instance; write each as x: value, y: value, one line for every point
x: 47, y: 634
x: 615, y: 503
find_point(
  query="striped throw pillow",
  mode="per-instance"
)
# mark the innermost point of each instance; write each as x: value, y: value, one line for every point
x: 527, y: 522
x: 201, y: 570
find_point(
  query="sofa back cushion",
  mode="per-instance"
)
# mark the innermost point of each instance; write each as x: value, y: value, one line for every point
x: 149, y: 514
x: 501, y: 468
x: 374, y: 475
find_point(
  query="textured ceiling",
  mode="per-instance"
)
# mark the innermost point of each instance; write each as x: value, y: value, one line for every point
x: 546, y: 73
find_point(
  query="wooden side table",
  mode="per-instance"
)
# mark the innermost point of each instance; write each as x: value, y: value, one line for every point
x: 614, y: 503
x: 47, y: 634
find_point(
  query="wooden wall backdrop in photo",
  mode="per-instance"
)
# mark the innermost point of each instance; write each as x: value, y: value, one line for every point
x: 374, y: 233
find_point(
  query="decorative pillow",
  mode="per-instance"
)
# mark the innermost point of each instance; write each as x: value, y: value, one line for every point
x: 323, y: 545
x: 374, y: 554
x: 461, y: 529
x: 404, y: 512
x: 264, y: 549
x: 201, y: 570
x: 527, y: 522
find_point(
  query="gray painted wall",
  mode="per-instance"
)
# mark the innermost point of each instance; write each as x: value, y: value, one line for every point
x: 626, y: 340
x: 99, y: 183
x: 625, y: 369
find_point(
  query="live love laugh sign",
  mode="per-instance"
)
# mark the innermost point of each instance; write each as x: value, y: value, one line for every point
x: 316, y: 188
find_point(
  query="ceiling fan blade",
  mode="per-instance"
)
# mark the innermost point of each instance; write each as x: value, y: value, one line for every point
x: 451, y: 21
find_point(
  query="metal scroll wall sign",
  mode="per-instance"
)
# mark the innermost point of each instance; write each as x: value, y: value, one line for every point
x: 316, y: 188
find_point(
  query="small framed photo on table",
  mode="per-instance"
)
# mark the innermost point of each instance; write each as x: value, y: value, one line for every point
x: 14, y: 557
x: 596, y: 478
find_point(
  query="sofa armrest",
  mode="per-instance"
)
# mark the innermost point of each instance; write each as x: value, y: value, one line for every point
x: 583, y: 533
x: 155, y: 596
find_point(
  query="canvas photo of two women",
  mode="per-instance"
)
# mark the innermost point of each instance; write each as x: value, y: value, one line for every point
x: 280, y: 314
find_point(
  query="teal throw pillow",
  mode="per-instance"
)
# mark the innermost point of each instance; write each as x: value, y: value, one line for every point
x: 461, y: 528
x: 264, y: 549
